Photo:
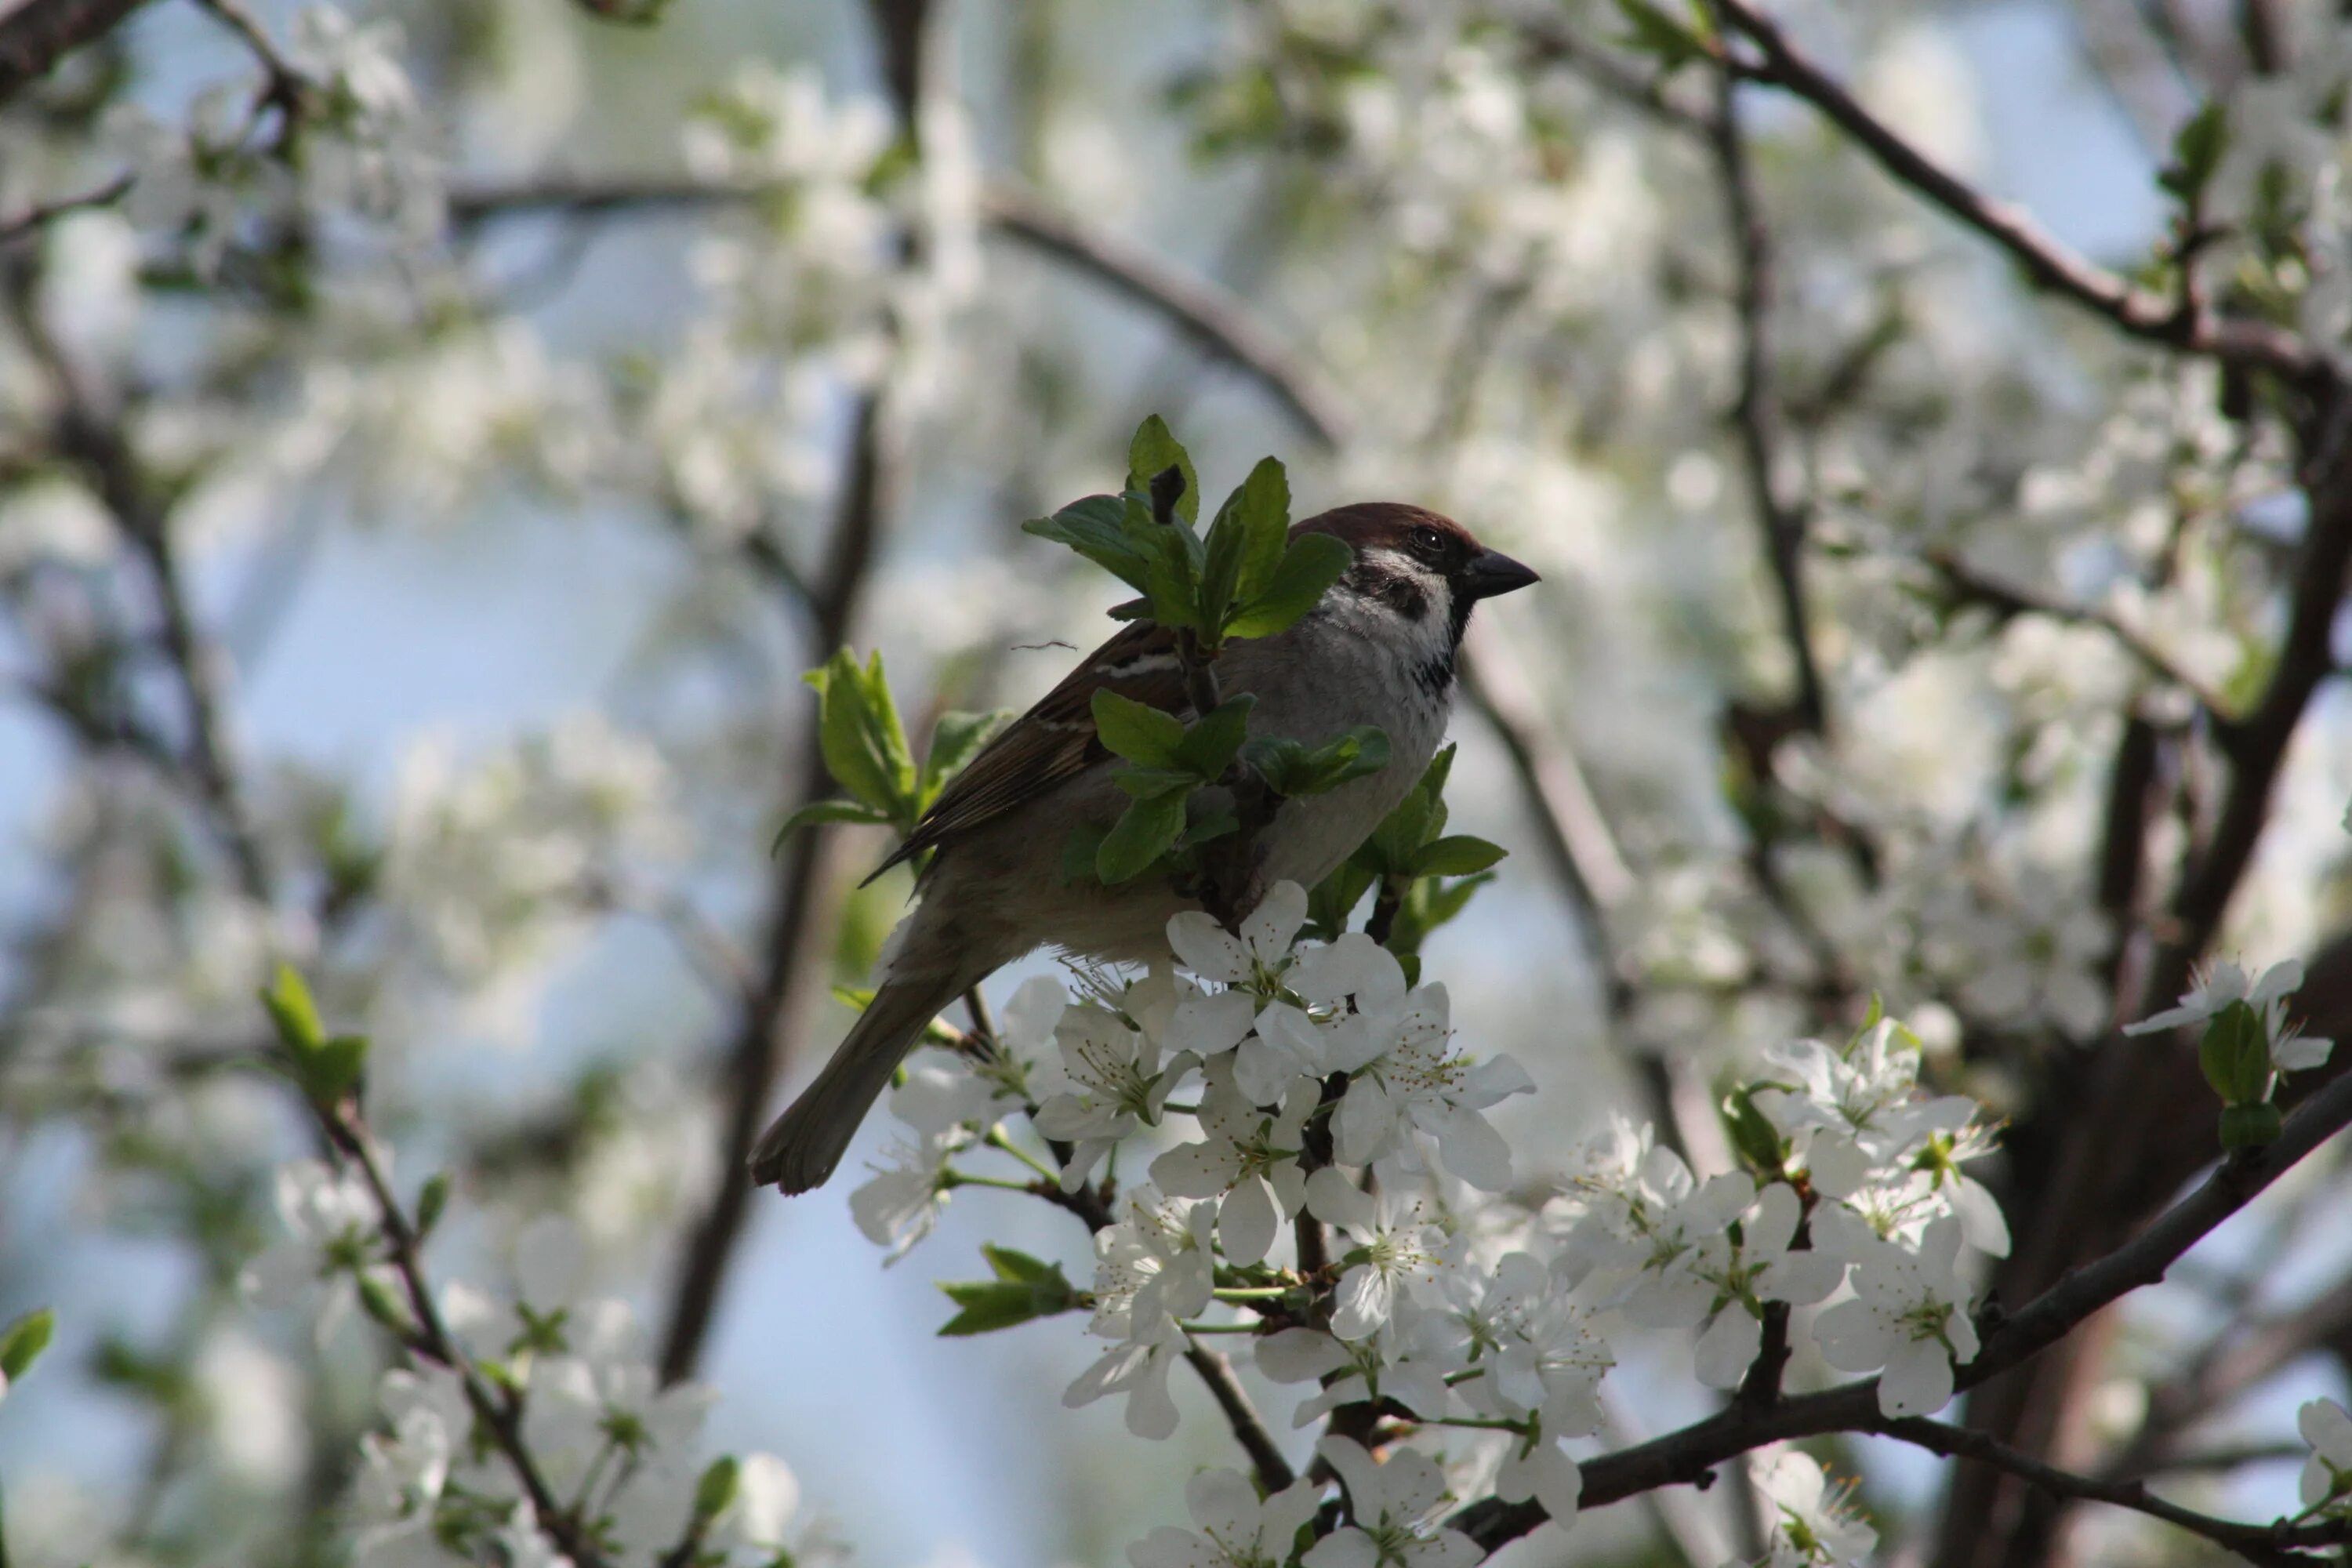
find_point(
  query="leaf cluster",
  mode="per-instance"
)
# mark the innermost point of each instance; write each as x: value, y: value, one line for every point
x: 1424, y: 875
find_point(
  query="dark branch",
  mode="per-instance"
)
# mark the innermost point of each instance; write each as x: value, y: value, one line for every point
x: 1690, y: 1454
x: 37, y: 34
x: 2051, y: 265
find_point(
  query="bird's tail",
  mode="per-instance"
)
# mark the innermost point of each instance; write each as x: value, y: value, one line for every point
x: 801, y: 1149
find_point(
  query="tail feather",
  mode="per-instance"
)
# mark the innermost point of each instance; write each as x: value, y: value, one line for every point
x: 799, y: 1151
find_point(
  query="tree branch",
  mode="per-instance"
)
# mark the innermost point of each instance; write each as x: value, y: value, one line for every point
x: 2275, y: 1546
x: 1686, y: 1456
x: 1274, y: 1471
x: 37, y: 34
x: 1756, y: 414
x: 2051, y: 265
x: 1212, y: 318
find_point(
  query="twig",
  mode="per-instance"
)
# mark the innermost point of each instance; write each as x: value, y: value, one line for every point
x: 500, y: 1417
x: 33, y: 219
x: 37, y: 35
x: 1756, y: 414
x: 1274, y: 1471
x: 768, y: 1032
x: 1213, y: 319
x: 2277, y: 1544
x: 2007, y: 599
x: 288, y: 86
x: 2049, y: 262
x: 1686, y: 1456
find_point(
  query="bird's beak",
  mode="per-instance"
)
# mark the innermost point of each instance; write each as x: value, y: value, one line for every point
x: 1491, y: 572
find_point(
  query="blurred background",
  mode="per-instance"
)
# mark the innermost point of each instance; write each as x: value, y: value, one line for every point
x: 422, y: 486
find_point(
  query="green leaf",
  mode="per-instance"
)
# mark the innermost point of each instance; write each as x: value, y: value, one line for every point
x: 715, y: 1491
x: 1290, y: 769
x: 290, y: 1008
x: 1138, y: 731
x: 333, y: 1071
x: 1419, y: 817
x: 432, y: 1202
x: 1096, y: 527
x: 1008, y: 1263
x: 1335, y: 898
x: 864, y: 745
x: 2197, y: 149
x: 1245, y: 541
x: 1310, y: 564
x: 956, y: 739
x: 1154, y: 448
x: 22, y: 1342
x: 1361, y: 751
x: 1130, y: 610
x: 1172, y: 557
x: 1080, y: 851
x: 1211, y: 743
x: 2235, y: 1055
x: 1025, y: 1287
x: 825, y: 811
x: 1145, y: 831
x: 1672, y: 43
x: 1457, y: 856
x: 1753, y: 1136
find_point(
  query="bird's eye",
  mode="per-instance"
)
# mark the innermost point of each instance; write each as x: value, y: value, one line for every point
x: 1428, y: 541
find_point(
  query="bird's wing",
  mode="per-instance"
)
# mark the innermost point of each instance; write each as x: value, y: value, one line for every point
x: 1054, y: 741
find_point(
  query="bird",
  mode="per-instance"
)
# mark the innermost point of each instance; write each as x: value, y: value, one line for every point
x: 1379, y: 649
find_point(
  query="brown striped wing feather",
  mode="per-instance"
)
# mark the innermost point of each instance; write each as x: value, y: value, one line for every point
x: 1051, y: 742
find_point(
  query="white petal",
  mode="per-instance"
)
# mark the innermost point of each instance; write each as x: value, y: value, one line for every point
x: 1365, y: 1296
x: 1269, y: 928
x: 1206, y: 1025
x: 1333, y: 1199
x: 1207, y: 948
x: 1167, y: 1547
x: 1359, y: 1472
x: 1917, y: 1380
x: 1246, y: 1222
x: 1728, y: 1347
x: 1223, y: 1504
x: 1197, y: 1170
x: 1299, y: 1355
x: 1347, y: 1548
x: 1473, y: 1152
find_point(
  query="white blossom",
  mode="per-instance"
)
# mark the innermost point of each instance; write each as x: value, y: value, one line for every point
x: 2327, y: 1474
x: 1394, y: 1507
x: 1249, y: 1162
x: 1811, y: 1524
x: 1394, y: 1243
x: 1233, y: 1528
x: 1908, y: 1316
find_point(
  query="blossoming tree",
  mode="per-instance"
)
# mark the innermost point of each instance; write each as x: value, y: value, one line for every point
x: 1924, y: 773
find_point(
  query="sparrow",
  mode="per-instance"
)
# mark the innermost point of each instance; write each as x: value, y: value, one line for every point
x: 1379, y: 649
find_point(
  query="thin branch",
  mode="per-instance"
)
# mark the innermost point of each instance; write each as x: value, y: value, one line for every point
x: 1690, y: 1454
x: 35, y: 218
x: 1205, y: 313
x: 37, y: 35
x: 2046, y: 259
x: 795, y: 951
x: 2280, y: 1545
x: 2006, y: 599
x: 1211, y: 317
x: 1274, y: 1471
x: 1757, y: 413
x: 501, y: 1417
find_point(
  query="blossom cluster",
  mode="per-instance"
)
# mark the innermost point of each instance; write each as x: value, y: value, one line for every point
x: 506, y: 1404
x: 1333, y: 1111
